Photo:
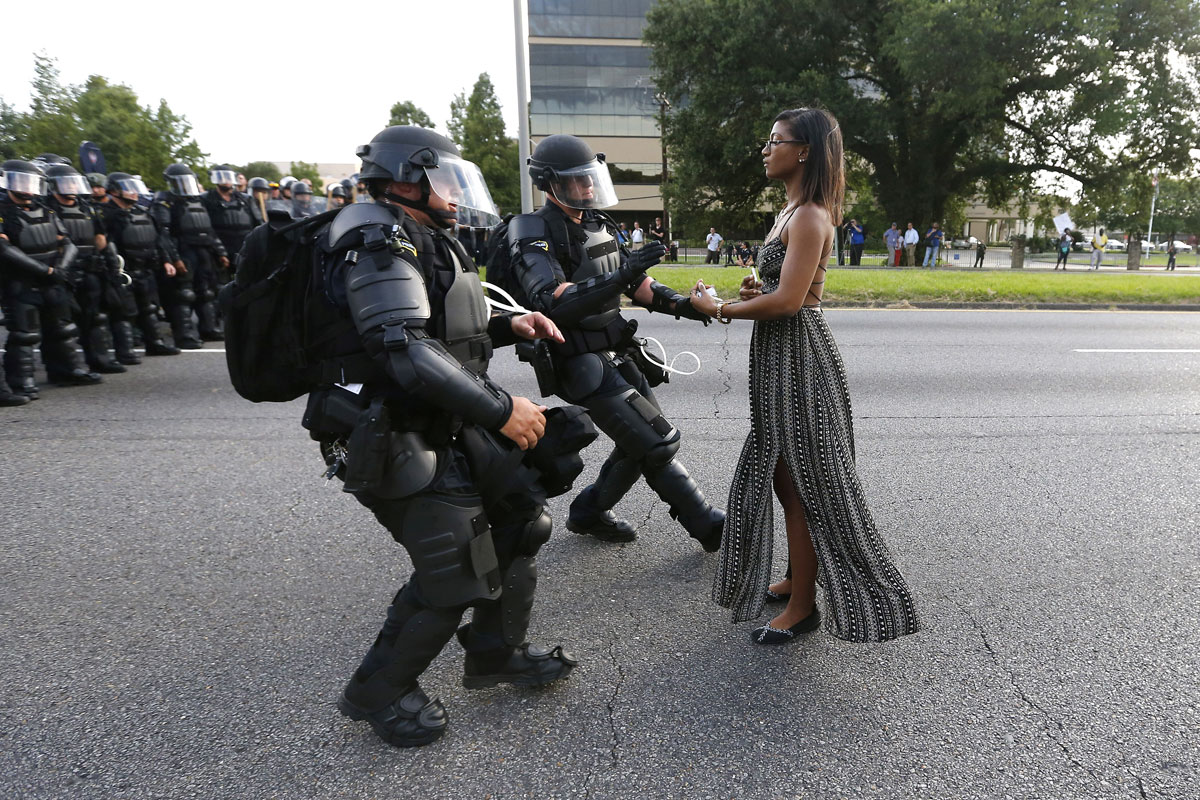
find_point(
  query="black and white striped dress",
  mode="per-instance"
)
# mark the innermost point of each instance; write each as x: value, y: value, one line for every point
x: 800, y: 411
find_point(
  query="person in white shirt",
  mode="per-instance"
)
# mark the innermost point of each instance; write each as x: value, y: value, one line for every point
x: 713, y: 241
x: 1099, y: 242
x: 910, y: 246
x: 637, y: 237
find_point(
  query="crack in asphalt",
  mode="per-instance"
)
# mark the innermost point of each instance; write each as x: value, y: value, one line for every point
x: 1012, y: 678
x: 726, y: 376
x: 615, y: 740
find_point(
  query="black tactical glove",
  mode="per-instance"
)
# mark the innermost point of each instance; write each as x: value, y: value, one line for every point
x: 639, y: 261
x: 684, y: 308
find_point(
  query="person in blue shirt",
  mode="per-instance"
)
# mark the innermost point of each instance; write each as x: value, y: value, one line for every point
x: 857, y: 237
x: 933, y: 242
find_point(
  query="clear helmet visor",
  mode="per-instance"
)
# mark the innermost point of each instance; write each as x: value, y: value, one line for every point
x: 71, y: 184
x: 133, y: 186
x: 586, y: 186
x: 222, y: 177
x: 25, y: 183
x: 185, y: 185
x: 461, y: 183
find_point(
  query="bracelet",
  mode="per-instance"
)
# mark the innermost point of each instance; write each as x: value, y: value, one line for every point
x: 721, y: 319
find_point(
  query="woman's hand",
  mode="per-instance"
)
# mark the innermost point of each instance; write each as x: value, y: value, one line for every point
x: 751, y: 288
x: 536, y: 326
x: 701, y: 300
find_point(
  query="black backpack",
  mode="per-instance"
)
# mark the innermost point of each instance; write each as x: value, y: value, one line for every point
x: 265, y: 309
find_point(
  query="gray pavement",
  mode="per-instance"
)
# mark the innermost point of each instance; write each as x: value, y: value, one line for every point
x: 184, y: 596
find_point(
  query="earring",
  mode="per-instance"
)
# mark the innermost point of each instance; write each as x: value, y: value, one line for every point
x: 800, y: 161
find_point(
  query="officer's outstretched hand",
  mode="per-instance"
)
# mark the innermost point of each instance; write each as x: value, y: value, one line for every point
x: 526, y: 424
x: 536, y: 325
x: 641, y: 260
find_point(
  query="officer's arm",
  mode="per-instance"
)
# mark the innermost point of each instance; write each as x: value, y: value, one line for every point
x: 13, y: 257
x: 67, y: 255
x: 662, y: 299
x: 541, y: 276
x: 388, y: 301
x: 165, y: 245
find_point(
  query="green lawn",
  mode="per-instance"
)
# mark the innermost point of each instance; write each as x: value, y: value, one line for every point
x: 893, y: 286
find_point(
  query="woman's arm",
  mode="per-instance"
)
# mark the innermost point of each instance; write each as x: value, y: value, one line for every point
x: 805, y: 238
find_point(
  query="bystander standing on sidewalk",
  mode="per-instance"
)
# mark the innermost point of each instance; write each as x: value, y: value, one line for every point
x: 623, y: 234
x: 1099, y: 242
x: 911, y: 237
x: 1171, y: 256
x: 893, y: 239
x: 857, y: 238
x: 980, y: 249
x: 713, y: 243
x: 1063, y: 249
x: 933, y: 242
x: 637, y: 237
x: 657, y: 232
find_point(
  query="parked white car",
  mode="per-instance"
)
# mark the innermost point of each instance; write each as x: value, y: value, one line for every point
x: 1116, y: 245
x: 1180, y: 247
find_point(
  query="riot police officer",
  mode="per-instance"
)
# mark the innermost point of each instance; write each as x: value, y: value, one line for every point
x: 183, y: 216
x: 230, y: 211
x: 36, y: 259
x: 97, y: 268
x: 260, y: 194
x: 569, y: 265
x: 302, y: 200
x: 435, y: 448
x: 147, y: 252
x: 338, y: 196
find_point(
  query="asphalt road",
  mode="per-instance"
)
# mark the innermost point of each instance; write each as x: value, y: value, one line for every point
x: 184, y: 597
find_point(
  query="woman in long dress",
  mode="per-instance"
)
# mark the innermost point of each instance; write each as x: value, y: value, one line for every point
x: 801, y: 439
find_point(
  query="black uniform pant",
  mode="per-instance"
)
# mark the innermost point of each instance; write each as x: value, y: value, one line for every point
x: 472, y: 546
x: 145, y: 301
x: 93, y: 317
x: 203, y: 268
x: 38, y: 314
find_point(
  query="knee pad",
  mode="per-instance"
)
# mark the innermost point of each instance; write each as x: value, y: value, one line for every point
x: 581, y: 375
x: 662, y: 453
x: 100, y: 318
x: 67, y: 330
x: 634, y: 424
x: 208, y: 295
x: 534, y: 535
x: 25, y: 338
x: 450, y: 544
x: 187, y: 296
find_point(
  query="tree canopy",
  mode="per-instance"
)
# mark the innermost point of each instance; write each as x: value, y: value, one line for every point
x: 133, y: 137
x: 406, y: 112
x: 938, y: 101
x: 477, y: 126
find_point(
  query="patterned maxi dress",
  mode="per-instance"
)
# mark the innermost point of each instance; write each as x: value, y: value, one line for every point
x: 800, y: 411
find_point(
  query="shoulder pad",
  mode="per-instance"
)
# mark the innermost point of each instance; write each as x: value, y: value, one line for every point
x: 356, y: 216
x: 527, y: 226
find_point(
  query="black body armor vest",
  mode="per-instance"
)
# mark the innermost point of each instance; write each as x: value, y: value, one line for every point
x: 190, y: 222
x: 599, y: 254
x: 139, y: 239
x: 229, y: 216
x: 80, y: 224
x: 38, y: 237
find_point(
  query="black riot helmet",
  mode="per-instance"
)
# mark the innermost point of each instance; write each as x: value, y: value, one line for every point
x: 51, y: 158
x: 97, y: 179
x: 223, y: 175
x: 181, y: 180
x: 564, y: 167
x: 257, y: 184
x: 122, y: 185
x: 66, y: 180
x: 338, y: 190
x: 23, y: 179
x: 411, y: 154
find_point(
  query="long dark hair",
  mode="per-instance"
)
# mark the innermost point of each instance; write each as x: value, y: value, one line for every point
x: 824, y: 181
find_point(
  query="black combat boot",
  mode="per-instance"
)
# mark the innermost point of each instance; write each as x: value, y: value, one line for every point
x: 527, y: 665
x: 411, y: 720
x: 122, y: 334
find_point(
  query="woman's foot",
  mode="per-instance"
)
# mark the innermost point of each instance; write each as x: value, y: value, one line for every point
x: 780, y: 591
x: 777, y: 631
x: 791, y: 615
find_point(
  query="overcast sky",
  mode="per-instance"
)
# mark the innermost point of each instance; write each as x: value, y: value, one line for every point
x: 276, y: 81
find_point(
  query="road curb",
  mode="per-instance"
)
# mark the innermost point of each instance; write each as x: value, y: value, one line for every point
x: 1013, y: 306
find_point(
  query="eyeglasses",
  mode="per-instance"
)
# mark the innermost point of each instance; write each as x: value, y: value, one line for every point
x: 769, y: 143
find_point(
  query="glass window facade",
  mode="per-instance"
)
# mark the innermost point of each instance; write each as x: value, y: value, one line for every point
x: 591, y: 90
x: 592, y: 19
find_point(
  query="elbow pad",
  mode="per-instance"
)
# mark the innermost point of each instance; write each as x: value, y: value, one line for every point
x: 538, y: 273
x: 422, y: 366
x: 13, y: 256
x: 581, y: 300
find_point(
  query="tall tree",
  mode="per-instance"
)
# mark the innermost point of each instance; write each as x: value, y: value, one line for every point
x: 406, y: 112
x: 304, y: 169
x: 941, y: 100
x: 262, y: 169
x: 477, y: 126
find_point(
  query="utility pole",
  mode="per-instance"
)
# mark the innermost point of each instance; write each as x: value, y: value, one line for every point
x: 663, y: 105
x: 522, y: 106
x: 1153, y: 201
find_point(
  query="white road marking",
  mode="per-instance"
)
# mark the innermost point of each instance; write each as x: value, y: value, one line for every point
x: 1135, y: 350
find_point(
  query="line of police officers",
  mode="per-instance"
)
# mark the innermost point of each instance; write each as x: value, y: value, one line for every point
x: 96, y: 262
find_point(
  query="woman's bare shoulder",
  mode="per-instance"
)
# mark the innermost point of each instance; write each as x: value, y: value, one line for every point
x: 809, y: 220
